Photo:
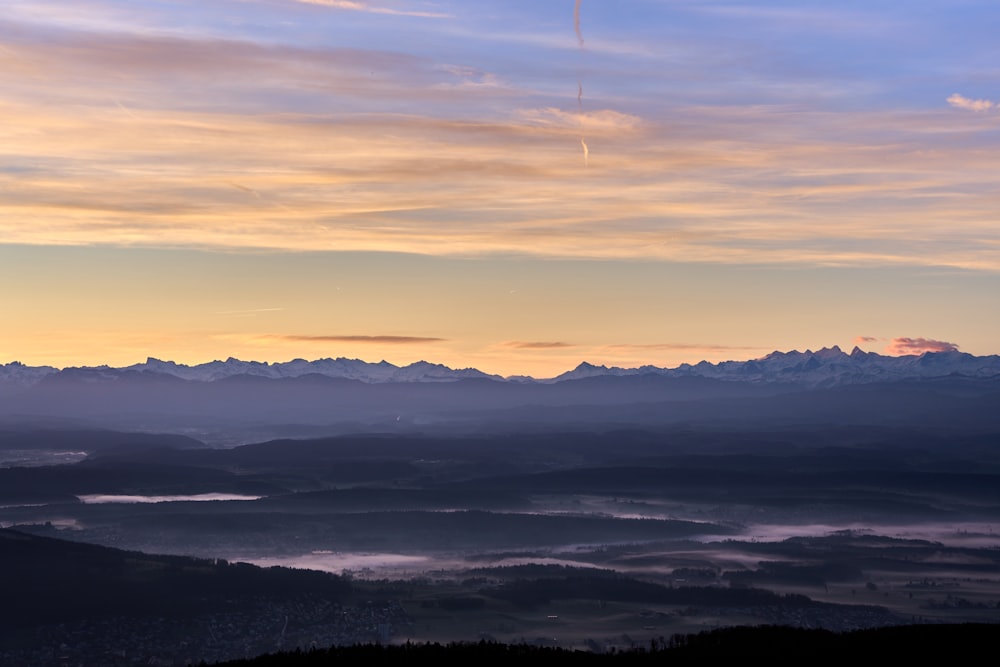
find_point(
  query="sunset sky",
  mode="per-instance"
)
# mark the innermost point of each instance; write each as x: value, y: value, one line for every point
x: 496, y: 184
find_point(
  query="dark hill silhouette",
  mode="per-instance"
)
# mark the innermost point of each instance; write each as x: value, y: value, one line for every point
x: 49, y: 581
x: 773, y: 644
x: 156, y: 401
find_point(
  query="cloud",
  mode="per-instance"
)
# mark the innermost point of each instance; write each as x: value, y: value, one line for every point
x: 470, y: 79
x: 364, y: 150
x: 244, y: 188
x: 961, y: 102
x: 355, y: 6
x: 906, y: 346
x: 78, y: 61
x: 679, y: 346
x: 602, y: 120
x: 381, y: 340
x: 535, y: 345
x: 576, y: 23
x: 858, y: 340
x: 248, y: 312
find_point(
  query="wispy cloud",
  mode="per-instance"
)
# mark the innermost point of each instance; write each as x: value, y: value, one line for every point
x: 601, y: 120
x: 84, y: 60
x: 687, y: 191
x: 858, y: 340
x: 471, y: 79
x: 535, y: 345
x: 904, y: 346
x: 249, y: 312
x: 356, y: 6
x: 576, y: 24
x: 961, y: 102
x: 311, y: 148
x: 244, y: 188
x: 381, y: 340
x: 669, y: 347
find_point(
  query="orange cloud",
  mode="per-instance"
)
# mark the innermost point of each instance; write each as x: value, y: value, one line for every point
x: 535, y: 345
x: 906, y: 346
x: 678, y: 346
x: 354, y: 6
x: 961, y: 102
x: 390, y: 340
x: 702, y: 184
x: 602, y: 120
x: 858, y: 340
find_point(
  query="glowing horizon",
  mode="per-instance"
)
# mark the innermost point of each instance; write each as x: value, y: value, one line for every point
x: 896, y: 347
x: 190, y: 181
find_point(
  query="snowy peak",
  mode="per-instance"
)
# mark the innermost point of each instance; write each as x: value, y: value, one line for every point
x: 341, y: 367
x: 589, y: 370
x: 422, y: 371
x: 826, y: 367
x: 17, y: 374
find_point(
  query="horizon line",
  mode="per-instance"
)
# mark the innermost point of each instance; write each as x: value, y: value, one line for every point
x: 583, y: 363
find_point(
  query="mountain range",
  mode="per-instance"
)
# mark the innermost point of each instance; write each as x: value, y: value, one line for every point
x: 827, y: 367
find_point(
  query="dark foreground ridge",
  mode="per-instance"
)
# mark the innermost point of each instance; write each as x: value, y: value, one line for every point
x: 776, y: 644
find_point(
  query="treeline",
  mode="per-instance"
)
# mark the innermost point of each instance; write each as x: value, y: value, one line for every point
x: 532, y: 593
x: 779, y: 572
x: 775, y: 643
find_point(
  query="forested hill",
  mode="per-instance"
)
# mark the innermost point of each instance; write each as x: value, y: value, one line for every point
x: 56, y: 581
x: 775, y: 644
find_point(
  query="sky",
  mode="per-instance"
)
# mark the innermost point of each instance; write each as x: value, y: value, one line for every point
x: 516, y: 186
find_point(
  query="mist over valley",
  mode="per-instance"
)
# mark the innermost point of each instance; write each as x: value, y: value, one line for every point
x: 485, y: 505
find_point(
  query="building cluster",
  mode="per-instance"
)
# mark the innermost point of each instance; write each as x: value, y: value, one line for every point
x: 263, y: 626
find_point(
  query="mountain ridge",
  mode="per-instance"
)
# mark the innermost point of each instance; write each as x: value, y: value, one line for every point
x: 826, y: 367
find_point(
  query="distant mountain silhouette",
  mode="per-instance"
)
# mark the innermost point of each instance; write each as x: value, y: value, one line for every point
x: 949, y: 390
x: 823, y: 368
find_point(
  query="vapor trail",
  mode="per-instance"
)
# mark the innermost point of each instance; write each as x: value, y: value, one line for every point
x: 579, y: 84
x: 576, y: 22
x: 125, y: 109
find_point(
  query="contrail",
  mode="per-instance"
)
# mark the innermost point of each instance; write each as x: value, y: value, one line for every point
x: 125, y: 109
x: 576, y: 22
x: 579, y: 84
x: 244, y: 189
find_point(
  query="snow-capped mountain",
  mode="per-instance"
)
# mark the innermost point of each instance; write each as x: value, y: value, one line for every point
x: 17, y: 374
x: 341, y: 367
x: 353, y: 369
x: 827, y: 367
x: 350, y: 369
